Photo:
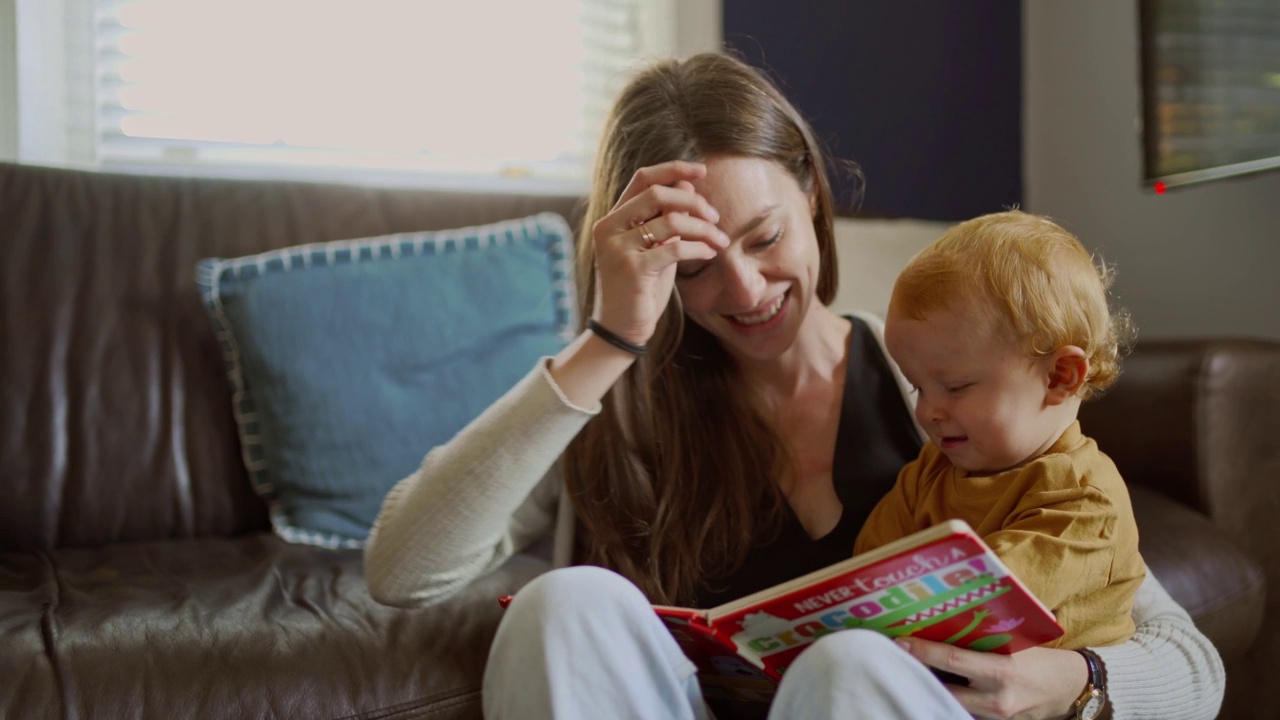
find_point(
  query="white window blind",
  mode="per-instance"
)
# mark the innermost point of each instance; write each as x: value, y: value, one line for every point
x: 457, y: 89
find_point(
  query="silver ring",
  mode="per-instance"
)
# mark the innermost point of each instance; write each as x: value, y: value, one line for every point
x: 649, y: 239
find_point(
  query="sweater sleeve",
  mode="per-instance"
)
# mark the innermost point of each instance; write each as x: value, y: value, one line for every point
x: 1169, y: 669
x: 476, y: 500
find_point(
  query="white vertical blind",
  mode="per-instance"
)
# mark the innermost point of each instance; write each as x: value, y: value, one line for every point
x: 473, y: 87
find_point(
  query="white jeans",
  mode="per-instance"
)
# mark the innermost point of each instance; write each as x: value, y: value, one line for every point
x: 582, y: 642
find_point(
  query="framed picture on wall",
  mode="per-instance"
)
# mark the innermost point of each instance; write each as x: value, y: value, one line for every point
x: 1210, y: 89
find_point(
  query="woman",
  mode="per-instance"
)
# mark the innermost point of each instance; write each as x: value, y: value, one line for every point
x: 716, y: 430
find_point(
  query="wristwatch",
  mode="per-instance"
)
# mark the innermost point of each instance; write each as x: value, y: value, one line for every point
x: 1093, y: 700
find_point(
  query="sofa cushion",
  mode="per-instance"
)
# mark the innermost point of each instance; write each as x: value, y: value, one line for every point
x: 349, y: 360
x: 246, y: 627
x: 28, y: 588
x: 1222, y: 589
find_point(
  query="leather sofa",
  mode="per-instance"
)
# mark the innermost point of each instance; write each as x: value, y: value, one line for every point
x: 138, y: 575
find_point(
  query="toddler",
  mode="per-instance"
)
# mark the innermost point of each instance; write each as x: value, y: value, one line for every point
x: 1003, y: 329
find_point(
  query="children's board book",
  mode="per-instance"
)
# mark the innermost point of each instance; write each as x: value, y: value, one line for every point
x: 942, y: 583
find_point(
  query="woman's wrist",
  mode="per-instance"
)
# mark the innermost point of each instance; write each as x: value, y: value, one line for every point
x: 1090, y: 701
x: 615, y: 339
x: 1069, y: 667
x: 588, y: 367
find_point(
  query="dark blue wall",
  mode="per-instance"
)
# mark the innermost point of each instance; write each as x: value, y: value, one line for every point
x: 925, y: 95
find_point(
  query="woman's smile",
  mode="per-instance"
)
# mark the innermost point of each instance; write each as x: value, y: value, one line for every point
x: 769, y: 316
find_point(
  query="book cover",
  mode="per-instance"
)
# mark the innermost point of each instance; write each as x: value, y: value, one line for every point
x: 942, y: 583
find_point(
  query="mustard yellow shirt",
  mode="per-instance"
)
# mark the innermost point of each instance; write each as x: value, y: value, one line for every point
x: 1062, y: 523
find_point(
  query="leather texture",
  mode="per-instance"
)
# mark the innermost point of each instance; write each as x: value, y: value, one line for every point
x: 1197, y: 420
x: 1199, y: 565
x: 137, y: 576
x: 243, y: 627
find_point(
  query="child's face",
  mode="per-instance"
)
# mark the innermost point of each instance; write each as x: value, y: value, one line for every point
x: 982, y: 402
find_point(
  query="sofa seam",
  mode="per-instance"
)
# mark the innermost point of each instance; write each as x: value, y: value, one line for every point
x: 1204, y: 481
x: 48, y: 634
x: 422, y: 707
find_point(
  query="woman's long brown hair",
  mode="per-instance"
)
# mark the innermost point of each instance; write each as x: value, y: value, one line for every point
x: 678, y: 476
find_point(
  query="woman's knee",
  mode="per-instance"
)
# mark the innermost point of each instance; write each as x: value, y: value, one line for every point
x: 861, y: 673
x: 566, y: 591
x: 838, y: 653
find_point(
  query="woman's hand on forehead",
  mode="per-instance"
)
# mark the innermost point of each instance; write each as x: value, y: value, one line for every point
x: 659, y: 220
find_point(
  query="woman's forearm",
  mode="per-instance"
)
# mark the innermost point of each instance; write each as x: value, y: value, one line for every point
x: 475, y: 500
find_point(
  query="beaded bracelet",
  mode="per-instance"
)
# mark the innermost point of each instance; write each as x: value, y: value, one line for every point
x: 609, y: 337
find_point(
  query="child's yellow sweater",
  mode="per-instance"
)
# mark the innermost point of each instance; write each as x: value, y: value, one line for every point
x: 1062, y: 523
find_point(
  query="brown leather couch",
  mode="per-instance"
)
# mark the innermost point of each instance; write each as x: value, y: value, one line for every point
x: 137, y: 574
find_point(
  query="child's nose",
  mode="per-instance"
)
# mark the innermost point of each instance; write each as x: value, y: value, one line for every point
x: 931, y: 412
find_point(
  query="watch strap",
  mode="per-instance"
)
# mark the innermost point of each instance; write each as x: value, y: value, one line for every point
x: 1095, y: 667
x: 1097, y: 681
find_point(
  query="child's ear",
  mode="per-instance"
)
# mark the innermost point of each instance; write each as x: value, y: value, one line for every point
x: 1068, y: 370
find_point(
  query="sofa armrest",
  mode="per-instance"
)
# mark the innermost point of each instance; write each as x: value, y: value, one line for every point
x: 1199, y: 420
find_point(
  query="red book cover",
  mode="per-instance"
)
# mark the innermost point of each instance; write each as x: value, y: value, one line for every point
x: 942, y: 583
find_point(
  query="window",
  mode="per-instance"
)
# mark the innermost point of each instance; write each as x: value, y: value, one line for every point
x: 459, y: 92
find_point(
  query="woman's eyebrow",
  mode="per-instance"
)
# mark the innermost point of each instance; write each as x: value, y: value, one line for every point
x: 752, y: 224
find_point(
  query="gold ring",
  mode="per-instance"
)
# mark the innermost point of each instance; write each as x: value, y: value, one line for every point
x: 649, y: 239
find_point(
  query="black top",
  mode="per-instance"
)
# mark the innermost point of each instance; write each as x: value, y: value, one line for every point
x: 875, y: 439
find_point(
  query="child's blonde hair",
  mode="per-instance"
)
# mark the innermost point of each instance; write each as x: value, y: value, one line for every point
x: 1041, y: 287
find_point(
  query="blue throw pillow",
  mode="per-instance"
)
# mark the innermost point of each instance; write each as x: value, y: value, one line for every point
x: 349, y: 360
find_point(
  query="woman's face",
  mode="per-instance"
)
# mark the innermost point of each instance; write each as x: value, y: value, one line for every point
x: 754, y: 295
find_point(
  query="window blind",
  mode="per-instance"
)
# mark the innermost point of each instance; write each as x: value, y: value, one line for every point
x: 483, y: 88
